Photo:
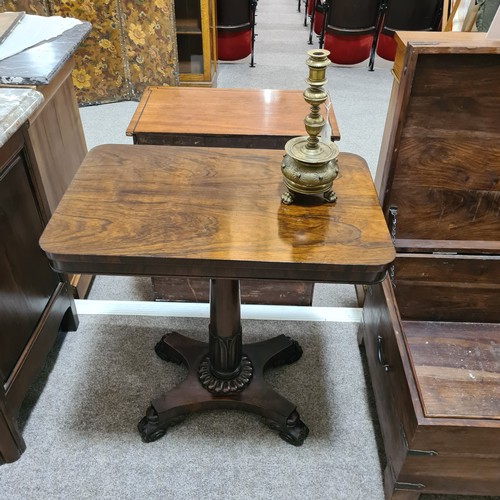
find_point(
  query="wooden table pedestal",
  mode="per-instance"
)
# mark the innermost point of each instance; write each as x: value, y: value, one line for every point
x: 225, y: 373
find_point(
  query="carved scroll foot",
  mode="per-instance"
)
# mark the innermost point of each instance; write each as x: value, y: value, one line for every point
x: 293, y: 432
x: 168, y: 353
x: 150, y: 427
x: 288, y: 355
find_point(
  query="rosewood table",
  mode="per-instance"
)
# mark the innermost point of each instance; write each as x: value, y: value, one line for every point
x: 233, y: 118
x: 217, y: 214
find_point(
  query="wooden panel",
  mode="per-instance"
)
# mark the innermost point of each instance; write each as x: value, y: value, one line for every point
x: 439, y: 168
x: 392, y: 398
x: 457, y: 367
x: 451, y: 39
x: 252, y: 291
x: 454, y: 475
x: 457, y: 436
x: 448, y: 288
x: 35, y: 304
x: 12, y: 443
x: 59, y: 314
x: 194, y: 212
x: 444, y: 454
x: 58, y: 141
x: 27, y: 281
x: 445, y: 182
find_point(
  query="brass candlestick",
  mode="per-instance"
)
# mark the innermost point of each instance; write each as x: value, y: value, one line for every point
x: 309, y: 165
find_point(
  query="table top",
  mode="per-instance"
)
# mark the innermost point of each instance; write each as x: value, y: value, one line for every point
x: 262, y: 113
x: 215, y: 213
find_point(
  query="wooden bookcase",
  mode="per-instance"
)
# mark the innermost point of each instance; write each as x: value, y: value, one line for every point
x: 196, y: 42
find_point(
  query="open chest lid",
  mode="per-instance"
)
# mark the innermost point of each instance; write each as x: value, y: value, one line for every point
x: 439, y: 178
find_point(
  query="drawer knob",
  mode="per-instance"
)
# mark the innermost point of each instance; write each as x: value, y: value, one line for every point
x: 380, y: 354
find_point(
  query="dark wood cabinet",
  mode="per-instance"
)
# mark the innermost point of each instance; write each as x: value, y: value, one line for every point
x: 35, y: 302
x: 432, y: 329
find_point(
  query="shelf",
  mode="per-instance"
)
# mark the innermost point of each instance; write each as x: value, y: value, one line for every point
x: 188, y: 26
x: 196, y: 41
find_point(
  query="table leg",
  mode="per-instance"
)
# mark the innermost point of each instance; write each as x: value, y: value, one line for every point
x: 225, y: 373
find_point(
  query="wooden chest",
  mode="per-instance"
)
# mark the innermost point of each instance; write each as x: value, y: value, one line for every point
x: 432, y: 329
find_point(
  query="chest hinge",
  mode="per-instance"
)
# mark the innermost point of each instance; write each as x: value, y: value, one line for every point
x: 415, y: 453
x: 393, y: 213
x: 409, y: 486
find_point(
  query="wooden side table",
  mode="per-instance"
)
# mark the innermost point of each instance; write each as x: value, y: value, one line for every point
x: 134, y: 210
x: 242, y: 118
x: 230, y: 118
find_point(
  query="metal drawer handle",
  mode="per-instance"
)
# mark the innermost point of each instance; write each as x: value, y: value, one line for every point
x: 380, y: 355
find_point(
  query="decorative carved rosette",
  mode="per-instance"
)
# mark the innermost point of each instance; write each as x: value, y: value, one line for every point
x: 222, y: 386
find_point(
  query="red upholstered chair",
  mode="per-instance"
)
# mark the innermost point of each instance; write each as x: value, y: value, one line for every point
x: 318, y: 22
x: 235, y: 29
x: 319, y: 14
x: 350, y: 30
x: 308, y: 10
x: 406, y: 15
x: 233, y: 45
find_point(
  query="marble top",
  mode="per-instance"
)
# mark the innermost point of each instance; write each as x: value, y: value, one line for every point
x: 16, y: 106
x: 38, y: 65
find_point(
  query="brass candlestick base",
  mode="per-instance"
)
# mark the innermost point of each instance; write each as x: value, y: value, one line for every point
x: 309, y: 166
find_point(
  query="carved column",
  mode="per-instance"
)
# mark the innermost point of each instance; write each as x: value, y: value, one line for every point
x: 225, y: 369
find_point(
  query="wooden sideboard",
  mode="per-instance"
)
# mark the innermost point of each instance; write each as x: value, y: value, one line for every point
x: 36, y: 302
x: 55, y: 130
x: 58, y: 142
x: 432, y: 329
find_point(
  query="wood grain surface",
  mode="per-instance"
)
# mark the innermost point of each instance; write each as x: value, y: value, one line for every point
x: 445, y: 179
x: 457, y: 367
x: 208, y: 212
x: 261, y: 113
x: 437, y: 287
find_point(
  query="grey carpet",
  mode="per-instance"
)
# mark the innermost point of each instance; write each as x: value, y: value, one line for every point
x: 79, y: 419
